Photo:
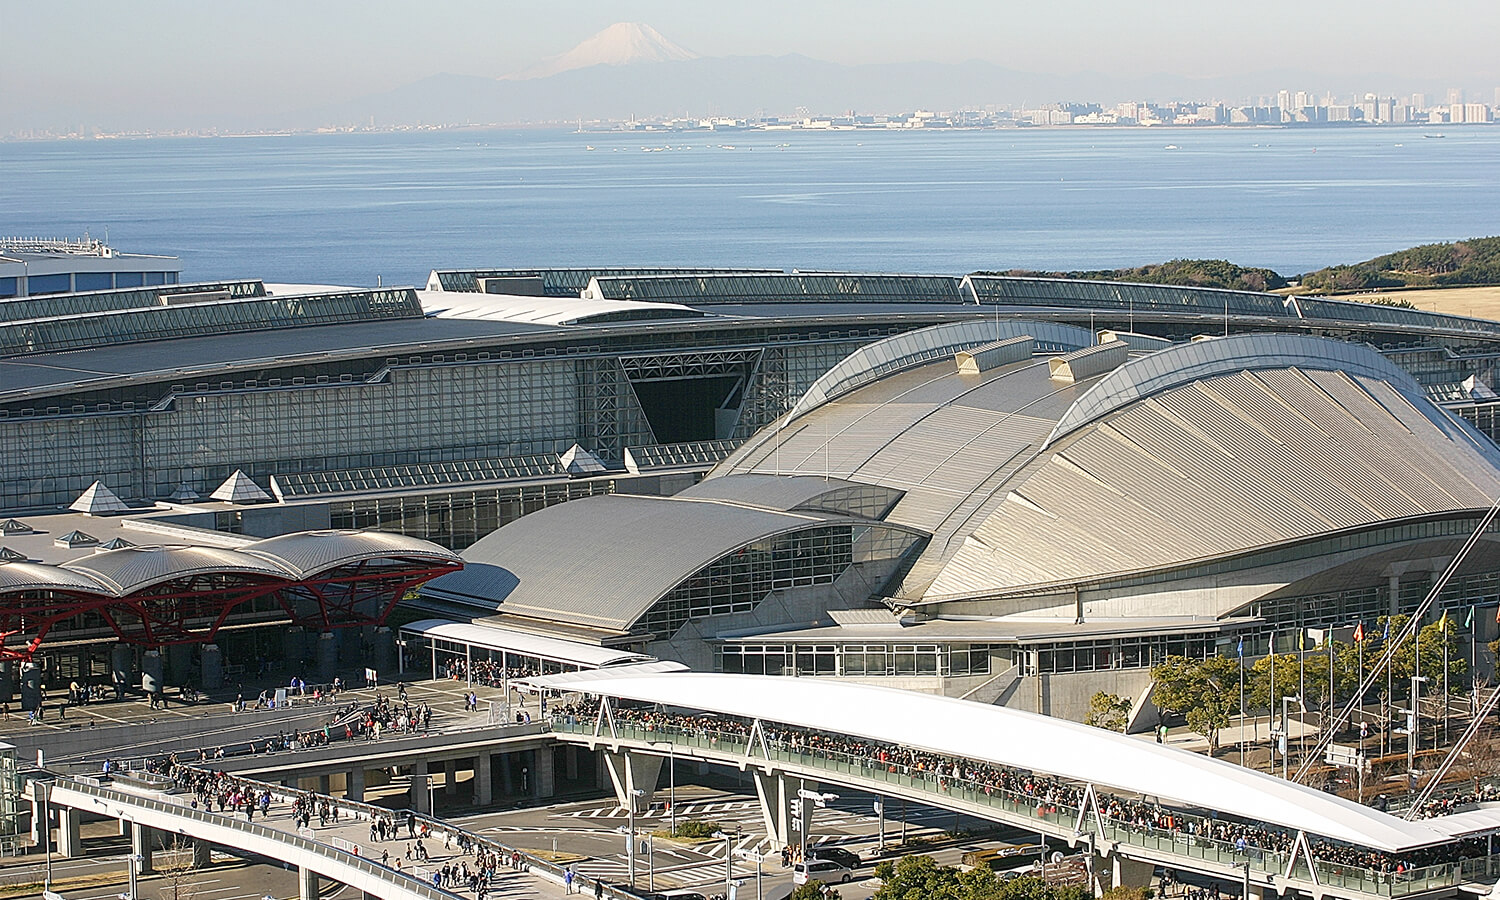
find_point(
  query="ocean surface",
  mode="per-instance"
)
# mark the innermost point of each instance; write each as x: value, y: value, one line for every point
x: 346, y: 209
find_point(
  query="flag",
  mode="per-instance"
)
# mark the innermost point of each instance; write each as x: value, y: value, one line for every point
x: 1469, y: 622
x: 1241, y: 648
x: 1387, y: 635
x: 1302, y: 639
x: 1359, y: 632
x: 1443, y: 622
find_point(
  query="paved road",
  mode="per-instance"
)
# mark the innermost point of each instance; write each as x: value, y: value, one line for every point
x: 596, y: 830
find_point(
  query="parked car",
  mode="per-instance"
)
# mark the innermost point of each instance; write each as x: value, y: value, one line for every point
x: 839, y: 855
x: 824, y: 870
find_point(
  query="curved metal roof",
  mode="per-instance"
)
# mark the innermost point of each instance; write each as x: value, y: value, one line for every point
x: 1185, y: 363
x: 310, y: 552
x: 603, y: 561
x: 1232, y: 463
x: 134, y: 568
x: 1022, y: 740
x: 27, y: 576
x: 912, y: 348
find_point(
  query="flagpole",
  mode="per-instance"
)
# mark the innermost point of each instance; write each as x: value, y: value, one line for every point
x: 1302, y: 690
x: 1271, y: 713
x: 1389, y: 688
x: 1328, y: 716
x: 1242, y: 700
x: 1445, y: 679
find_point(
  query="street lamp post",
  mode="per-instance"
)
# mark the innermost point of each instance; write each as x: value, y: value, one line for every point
x: 630, y: 842
x: 671, y: 784
x: 1285, y: 725
x: 1413, y: 729
x: 819, y: 801
x: 728, y: 859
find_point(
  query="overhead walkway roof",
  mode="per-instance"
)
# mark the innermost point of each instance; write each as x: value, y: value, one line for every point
x: 489, y: 637
x: 1022, y: 740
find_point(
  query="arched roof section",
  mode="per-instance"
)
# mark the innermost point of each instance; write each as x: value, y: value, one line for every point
x: 308, y: 553
x: 136, y: 568
x: 912, y: 348
x: 1185, y: 363
x: 1225, y: 465
x: 1009, y: 737
x: 25, y: 576
x: 603, y: 561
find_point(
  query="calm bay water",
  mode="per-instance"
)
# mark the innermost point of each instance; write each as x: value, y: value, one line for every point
x: 346, y: 208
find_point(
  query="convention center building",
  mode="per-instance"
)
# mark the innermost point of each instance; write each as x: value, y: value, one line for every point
x: 849, y: 502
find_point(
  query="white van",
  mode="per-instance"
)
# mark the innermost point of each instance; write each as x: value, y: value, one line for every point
x: 824, y: 870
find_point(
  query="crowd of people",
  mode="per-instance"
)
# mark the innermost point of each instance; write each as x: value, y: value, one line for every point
x: 1045, y: 795
x: 1442, y: 806
x: 473, y: 864
x: 487, y: 672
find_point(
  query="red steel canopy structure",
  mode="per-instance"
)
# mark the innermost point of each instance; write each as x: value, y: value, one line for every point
x: 160, y: 595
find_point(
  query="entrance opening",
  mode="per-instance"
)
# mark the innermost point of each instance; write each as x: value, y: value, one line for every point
x: 686, y: 409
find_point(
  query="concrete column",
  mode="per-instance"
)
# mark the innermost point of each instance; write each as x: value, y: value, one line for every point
x: 31, y: 685
x: 121, y: 666
x: 419, y: 796
x: 41, y: 826
x: 507, y: 780
x: 484, y: 792
x: 7, y: 680
x: 1395, y: 587
x: 354, y: 788
x: 124, y: 828
x: 450, y: 777
x: 202, y: 854
x: 212, y: 674
x: 633, y: 771
x: 307, y: 883
x: 383, y: 641
x: 323, y: 784
x: 1127, y: 872
x: 68, y: 842
x: 544, y: 775
x: 151, y: 672
x: 328, y: 656
x: 776, y: 795
x: 141, y: 841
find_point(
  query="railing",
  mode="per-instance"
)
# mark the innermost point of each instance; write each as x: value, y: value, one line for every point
x: 1058, y: 817
x: 289, y: 838
x: 437, y: 827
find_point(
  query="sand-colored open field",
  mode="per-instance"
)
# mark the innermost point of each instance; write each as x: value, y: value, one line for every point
x: 1483, y: 302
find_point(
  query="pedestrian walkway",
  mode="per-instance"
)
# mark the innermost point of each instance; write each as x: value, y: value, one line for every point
x: 422, y: 852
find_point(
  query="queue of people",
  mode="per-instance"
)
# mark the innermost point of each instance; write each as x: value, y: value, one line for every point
x: 1045, y: 794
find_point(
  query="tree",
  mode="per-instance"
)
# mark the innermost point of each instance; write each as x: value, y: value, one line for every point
x: 1205, y: 692
x: 920, y: 878
x: 814, y: 890
x: 1108, y: 711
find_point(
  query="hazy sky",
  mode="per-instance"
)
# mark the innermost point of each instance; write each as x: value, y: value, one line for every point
x: 269, y: 54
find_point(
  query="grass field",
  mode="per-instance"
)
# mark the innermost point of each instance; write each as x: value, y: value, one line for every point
x: 1483, y: 302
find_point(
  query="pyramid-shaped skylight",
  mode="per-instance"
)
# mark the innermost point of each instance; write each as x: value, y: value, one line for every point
x: 239, y: 488
x: 184, y: 494
x: 15, y: 526
x: 99, y: 500
x: 118, y: 543
x: 76, y: 539
x: 8, y: 555
x: 578, y: 461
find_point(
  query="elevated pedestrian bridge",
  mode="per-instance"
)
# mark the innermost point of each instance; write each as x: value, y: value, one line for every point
x: 1133, y: 803
x: 311, y: 857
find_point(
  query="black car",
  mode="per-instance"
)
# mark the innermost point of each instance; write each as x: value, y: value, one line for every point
x: 839, y: 855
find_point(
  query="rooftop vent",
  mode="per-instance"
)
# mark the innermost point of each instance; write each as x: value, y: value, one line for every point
x: 993, y: 355
x: 1088, y: 362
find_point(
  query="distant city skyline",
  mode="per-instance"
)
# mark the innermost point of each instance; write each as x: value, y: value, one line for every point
x: 247, y: 61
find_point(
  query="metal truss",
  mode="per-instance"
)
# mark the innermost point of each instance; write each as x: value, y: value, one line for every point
x: 192, y: 609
